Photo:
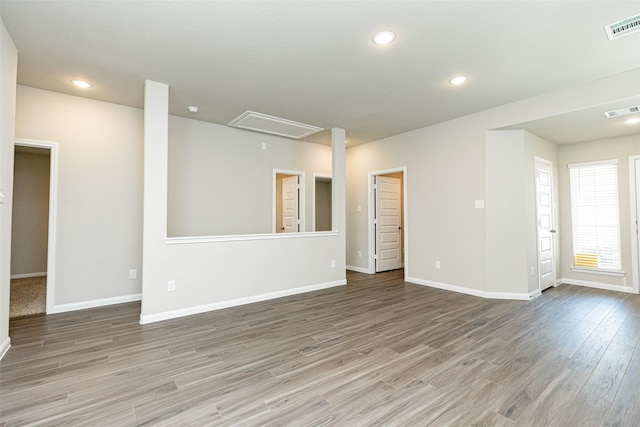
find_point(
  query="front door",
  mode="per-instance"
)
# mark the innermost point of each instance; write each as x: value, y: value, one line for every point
x: 388, y: 223
x: 546, y: 228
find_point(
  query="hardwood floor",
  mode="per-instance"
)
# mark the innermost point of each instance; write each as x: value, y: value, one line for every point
x: 376, y: 352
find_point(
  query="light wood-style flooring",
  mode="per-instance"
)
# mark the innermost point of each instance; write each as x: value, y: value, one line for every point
x: 375, y: 352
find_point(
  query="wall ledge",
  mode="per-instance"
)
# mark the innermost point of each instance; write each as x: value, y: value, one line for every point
x: 173, y: 314
x: 245, y: 237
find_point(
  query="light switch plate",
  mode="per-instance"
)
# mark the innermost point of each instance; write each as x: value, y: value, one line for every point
x: 479, y: 204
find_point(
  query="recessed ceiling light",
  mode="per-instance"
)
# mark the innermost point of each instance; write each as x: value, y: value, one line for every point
x: 458, y: 80
x: 81, y: 84
x: 384, y: 37
x: 633, y: 121
x: 193, y: 109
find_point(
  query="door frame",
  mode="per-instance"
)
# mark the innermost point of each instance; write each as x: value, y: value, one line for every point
x: 554, y: 223
x: 325, y: 177
x: 53, y: 197
x: 371, y: 269
x: 301, y: 197
x: 634, y: 192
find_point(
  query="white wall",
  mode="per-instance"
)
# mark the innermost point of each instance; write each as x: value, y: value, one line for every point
x: 511, y: 210
x: 211, y: 274
x: 8, y: 70
x: 440, y: 199
x: 30, y: 224
x: 221, y: 180
x: 616, y: 148
x: 99, y: 209
x: 447, y: 171
x: 506, y: 212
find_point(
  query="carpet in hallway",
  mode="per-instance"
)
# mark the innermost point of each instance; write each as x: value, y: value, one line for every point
x: 28, y: 296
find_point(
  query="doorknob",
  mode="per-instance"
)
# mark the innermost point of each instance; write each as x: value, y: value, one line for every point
x: 552, y: 231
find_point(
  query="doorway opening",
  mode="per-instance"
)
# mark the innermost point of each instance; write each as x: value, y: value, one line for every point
x: 32, y: 229
x: 388, y: 235
x: 322, y: 202
x: 288, y: 201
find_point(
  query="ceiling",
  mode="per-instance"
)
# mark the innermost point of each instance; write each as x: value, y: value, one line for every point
x: 314, y: 62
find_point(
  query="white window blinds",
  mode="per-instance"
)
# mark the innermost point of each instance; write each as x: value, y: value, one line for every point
x: 595, y: 215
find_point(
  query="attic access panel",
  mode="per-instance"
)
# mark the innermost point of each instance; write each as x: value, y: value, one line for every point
x: 259, y: 122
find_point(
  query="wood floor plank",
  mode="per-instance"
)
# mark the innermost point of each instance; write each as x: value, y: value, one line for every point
x: 378, y: 351
x: 625, y: 409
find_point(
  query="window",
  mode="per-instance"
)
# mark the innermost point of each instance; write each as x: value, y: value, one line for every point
x: 595, y: 215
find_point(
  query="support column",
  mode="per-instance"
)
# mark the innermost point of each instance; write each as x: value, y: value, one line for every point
x: 156, y: 147
x: 338, y: 172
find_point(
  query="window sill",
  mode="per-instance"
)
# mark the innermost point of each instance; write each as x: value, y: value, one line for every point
x: 617, y: 273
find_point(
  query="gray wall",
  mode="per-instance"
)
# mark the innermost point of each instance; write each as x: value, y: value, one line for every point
x: 30, y: 226
x: 216, y: 273
x: 452, y: 164
x: 99, y: 192
x: 511, y: 209
x: 8, y: 70
x: 221, y: 180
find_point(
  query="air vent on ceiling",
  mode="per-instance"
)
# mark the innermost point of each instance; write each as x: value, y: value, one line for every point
x: 621, y: 112
x: 623, y: 28
x: 274, y: 125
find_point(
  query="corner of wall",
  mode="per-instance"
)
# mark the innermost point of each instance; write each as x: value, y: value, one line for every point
x: 8, y: 80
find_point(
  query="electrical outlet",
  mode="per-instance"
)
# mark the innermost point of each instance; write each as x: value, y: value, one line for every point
x: 133, y: 274
x: 333, y: 263
x: 533, y: 271
x: 171, y: 286
x: 359, y: 254
x: 437, y: 265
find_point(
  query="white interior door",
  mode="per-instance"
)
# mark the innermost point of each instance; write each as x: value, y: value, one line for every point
x: 388, y: 224
x: 546, y: 227
x: 290, y: 205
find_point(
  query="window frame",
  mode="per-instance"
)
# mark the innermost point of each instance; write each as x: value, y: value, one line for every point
x: 616, y: 270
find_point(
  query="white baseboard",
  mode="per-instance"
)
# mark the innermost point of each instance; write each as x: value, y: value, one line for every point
x: 469, y: 291
x: 62, y: 308
x: 4, y: 347
x: 157, y: 317
x: 27, y: 275
x: 598, y: 285
x: 535, y: 294
x: 358, y: 269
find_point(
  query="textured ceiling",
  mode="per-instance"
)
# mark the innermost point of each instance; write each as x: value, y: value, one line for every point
x: 314, y: 62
